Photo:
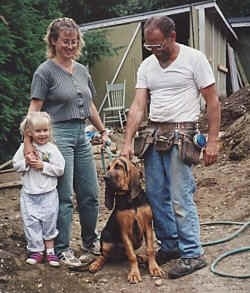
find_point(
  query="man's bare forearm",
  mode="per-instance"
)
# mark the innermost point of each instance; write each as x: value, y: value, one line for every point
x: 214, y: 118
x: 136, y: 114
x: 135, y: 117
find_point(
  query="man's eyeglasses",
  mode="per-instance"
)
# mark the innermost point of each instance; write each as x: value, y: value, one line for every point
x: 154, y: 47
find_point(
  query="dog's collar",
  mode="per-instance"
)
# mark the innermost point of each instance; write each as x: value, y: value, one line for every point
x: 122, y: 193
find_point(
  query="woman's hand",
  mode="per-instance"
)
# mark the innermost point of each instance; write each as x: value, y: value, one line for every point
x: 33, y: 160
x: 105, y: 138
x: 36, y: 164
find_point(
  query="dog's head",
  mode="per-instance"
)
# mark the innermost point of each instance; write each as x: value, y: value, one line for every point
x: 122, y: 177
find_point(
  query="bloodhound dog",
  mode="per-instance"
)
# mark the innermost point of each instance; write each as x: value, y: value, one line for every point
x: 129, y: 222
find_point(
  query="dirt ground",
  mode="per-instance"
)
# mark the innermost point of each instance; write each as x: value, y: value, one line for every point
x: 223, y: 194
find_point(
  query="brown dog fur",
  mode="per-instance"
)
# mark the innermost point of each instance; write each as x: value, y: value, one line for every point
x: 130, y: 221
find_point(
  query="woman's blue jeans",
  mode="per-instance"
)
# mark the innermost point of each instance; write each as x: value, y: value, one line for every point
x: 170, y: 187
x: 79, y: 175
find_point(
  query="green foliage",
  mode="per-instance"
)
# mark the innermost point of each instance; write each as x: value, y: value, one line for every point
x: 235, y: 8
x: 133, y: 6
x: 22, y: 26
x: 89, y: 10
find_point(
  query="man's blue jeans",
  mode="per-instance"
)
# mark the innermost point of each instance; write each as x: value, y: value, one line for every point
x: 80, y: 176
x: 169, y: 187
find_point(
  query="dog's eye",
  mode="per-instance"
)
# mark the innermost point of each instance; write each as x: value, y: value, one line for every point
x: 118, y: 167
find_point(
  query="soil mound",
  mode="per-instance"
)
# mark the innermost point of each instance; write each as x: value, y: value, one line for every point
x: 235, y: 124
x: 235, y: 106
x: 237, y: 138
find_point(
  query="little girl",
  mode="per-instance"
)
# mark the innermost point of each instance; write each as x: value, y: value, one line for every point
x: 38, y: 196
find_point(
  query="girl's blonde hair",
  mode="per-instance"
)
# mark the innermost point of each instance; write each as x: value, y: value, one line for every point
x: 36, y: 119
x: 52, y: 34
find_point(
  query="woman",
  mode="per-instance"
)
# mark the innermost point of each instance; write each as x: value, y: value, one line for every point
x: 64, y: 88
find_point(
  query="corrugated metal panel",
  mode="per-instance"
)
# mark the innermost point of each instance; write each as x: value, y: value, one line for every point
x: 120, y: 37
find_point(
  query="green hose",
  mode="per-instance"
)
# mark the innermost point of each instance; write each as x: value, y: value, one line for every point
x: 231, y: 252
x: 233, y: 235
x: 218, y: 259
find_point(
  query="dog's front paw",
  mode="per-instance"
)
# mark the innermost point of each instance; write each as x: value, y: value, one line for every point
x: 134, y: 276
x: 156, y: 271
x: 97, y: 264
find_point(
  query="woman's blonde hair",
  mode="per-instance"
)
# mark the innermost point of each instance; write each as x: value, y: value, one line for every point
x: 53, y: 31
x: 36, y: 119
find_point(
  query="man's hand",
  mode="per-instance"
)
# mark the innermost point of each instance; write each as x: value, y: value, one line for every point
x: 127, y: 151
x: 210, y: 153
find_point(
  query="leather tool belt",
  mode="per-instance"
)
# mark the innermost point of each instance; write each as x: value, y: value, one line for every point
x: 166, y: 134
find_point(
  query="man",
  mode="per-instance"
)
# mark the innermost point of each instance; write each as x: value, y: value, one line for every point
x: 171, y: 80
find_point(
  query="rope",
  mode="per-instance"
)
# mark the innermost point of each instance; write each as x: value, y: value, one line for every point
x: 111, y: 155
x: 229, y: 253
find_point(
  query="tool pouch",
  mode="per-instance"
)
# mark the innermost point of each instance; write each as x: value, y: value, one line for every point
x: 188, y: 151
x: 143, y: 140
x: 164, y: 140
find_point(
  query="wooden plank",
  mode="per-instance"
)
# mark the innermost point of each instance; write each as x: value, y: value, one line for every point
x: 11, y: 184
x: 222, y: 68
x: 194, y: 30
x: 5, y: 164
x: 233, y: 69
x: 7, y: 171
x: 202, y: 30
x: 241, y: 71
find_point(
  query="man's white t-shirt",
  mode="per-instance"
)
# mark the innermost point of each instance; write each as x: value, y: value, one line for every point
x: 175, y: 90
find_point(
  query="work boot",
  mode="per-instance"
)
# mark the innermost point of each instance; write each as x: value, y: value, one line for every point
x: 185, y: 266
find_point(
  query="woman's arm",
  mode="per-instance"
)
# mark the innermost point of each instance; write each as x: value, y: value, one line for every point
x: 95, y: 118
x: 97, y: 122
x: 35, y: 105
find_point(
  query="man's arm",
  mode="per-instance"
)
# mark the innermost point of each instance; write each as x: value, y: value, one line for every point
x: 214, y: 116
x: 135, y: 117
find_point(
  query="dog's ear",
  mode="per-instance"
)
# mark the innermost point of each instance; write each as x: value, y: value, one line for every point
x: 135, y: 182
x: 109, y: 197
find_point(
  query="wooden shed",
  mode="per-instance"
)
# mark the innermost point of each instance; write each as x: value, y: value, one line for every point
x: 201, y: 25
x: 241, y: 26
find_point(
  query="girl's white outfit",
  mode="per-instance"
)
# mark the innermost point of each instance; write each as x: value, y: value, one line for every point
x: 39, y: 198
